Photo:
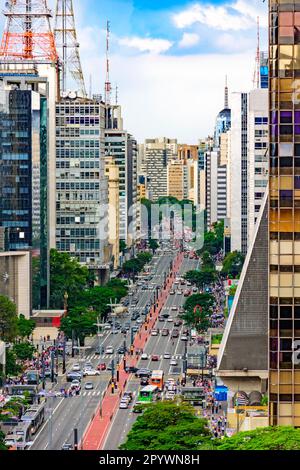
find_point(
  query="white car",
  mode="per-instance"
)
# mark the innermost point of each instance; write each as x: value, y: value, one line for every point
x: 91, y: 372
x: 89, y: 386
x: 109, y: 350
x: 107, y: 327
x: 167, y: 356
x: 139, y: 320
x: 75, y: 383
x: 184, y: 338
x: 170, y: 320
x: 179, y: 292
x: 173, y: 362
x: 172, y: 292
x: 144, y: 357
x: 76, y: 368
x: 174, y: 308
x: 123, y: 405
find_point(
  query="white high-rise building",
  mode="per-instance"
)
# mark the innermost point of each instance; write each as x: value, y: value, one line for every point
x: 248, y: 165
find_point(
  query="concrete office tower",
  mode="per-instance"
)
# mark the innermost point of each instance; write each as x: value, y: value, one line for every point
x: 248, y: 172
x: 216, y: 184
x: 81, y: 185
x: 122, y: 147
x: 158, y: 153
x: 177, y: 180
x: 188, y: 152
x: 26, y: 156
x: 112, y: 174
x: 258, y: 138
x: 243, y: 356
x: 284, y: 215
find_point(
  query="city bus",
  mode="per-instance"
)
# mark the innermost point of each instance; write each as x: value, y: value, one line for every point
x: 193, y: 395
x: 157, y: 379
x: 35, y: 416
x: 148, y: 394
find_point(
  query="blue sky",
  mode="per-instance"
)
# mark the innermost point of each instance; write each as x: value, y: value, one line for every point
x: 170, y: 57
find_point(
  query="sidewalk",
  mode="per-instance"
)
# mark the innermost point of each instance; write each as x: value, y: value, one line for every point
x: 97, y: 431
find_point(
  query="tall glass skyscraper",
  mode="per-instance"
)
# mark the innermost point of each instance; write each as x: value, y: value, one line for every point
x: 284, y: 220
x: 24, y: 172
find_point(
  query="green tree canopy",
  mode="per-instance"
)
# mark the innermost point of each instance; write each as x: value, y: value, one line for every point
x: 82, y: 323
x: 207, y: 261
x: 8, y: 319
x: 24, y: 351
x: 2, y: 445
x: 25, y: 327
x: 153, y: 245
x: 167, y: 426
x: 233, y: 264
x: 270, y: 438
x: 213, y: 240
x: 200, y: 318
x: 12, y: 368
x: 66, y: 275
x: 122, y: 246
x: 201, y: 278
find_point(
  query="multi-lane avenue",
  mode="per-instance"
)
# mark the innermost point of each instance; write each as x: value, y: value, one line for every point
x: 156, y: 345
x: 66, y: 414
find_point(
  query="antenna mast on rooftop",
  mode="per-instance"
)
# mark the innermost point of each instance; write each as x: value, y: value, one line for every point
x: 107, y: 81
x: 27, y: 34
x: 256, y: 76
x: 68, y: 46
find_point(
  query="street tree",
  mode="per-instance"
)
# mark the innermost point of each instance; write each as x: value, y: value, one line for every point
x: 167, y: 426
x: 201, y: 278
x: 198, y: 310
x: 8, y: 319
x: 66, y: 275
x: 24, y: 351
x: 270, y: 438
x: 233, y: 264
x: 25, y: 327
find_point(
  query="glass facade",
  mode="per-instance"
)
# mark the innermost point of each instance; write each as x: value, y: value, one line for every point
x: 284, y: 219
x: 23, y: 178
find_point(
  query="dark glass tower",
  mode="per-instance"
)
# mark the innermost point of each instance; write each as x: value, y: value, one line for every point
x: 24, y: 177
x: 284, y: 212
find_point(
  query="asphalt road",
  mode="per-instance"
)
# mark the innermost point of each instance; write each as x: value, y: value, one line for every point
x: 76, y: 412
x: 157, y: 345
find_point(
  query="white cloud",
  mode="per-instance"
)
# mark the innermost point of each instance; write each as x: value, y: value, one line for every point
x: 155, y: 46
x: 157, y: 92
x: 189, y: 40
x: 232, y: 16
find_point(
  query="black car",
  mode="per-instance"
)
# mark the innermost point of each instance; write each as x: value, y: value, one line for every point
x: 144, y: 381
x: 143, y: 373
x: 124, y: 331
x: 166, y: 315
x: 122, y: 350
x: 67, y: 447
x: 131, y: 370
x: 135, y: 329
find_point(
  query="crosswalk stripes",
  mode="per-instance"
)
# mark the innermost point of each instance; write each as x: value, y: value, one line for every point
x: 91, y: 394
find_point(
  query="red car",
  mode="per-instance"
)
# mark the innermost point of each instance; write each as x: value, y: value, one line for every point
x: 155, y: 358
x: 101, y: 366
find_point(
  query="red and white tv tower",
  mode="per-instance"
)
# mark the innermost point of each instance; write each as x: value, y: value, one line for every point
x: 27, y: 34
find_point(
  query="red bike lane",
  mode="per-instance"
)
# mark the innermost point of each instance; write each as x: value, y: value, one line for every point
x: 98, y: 429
